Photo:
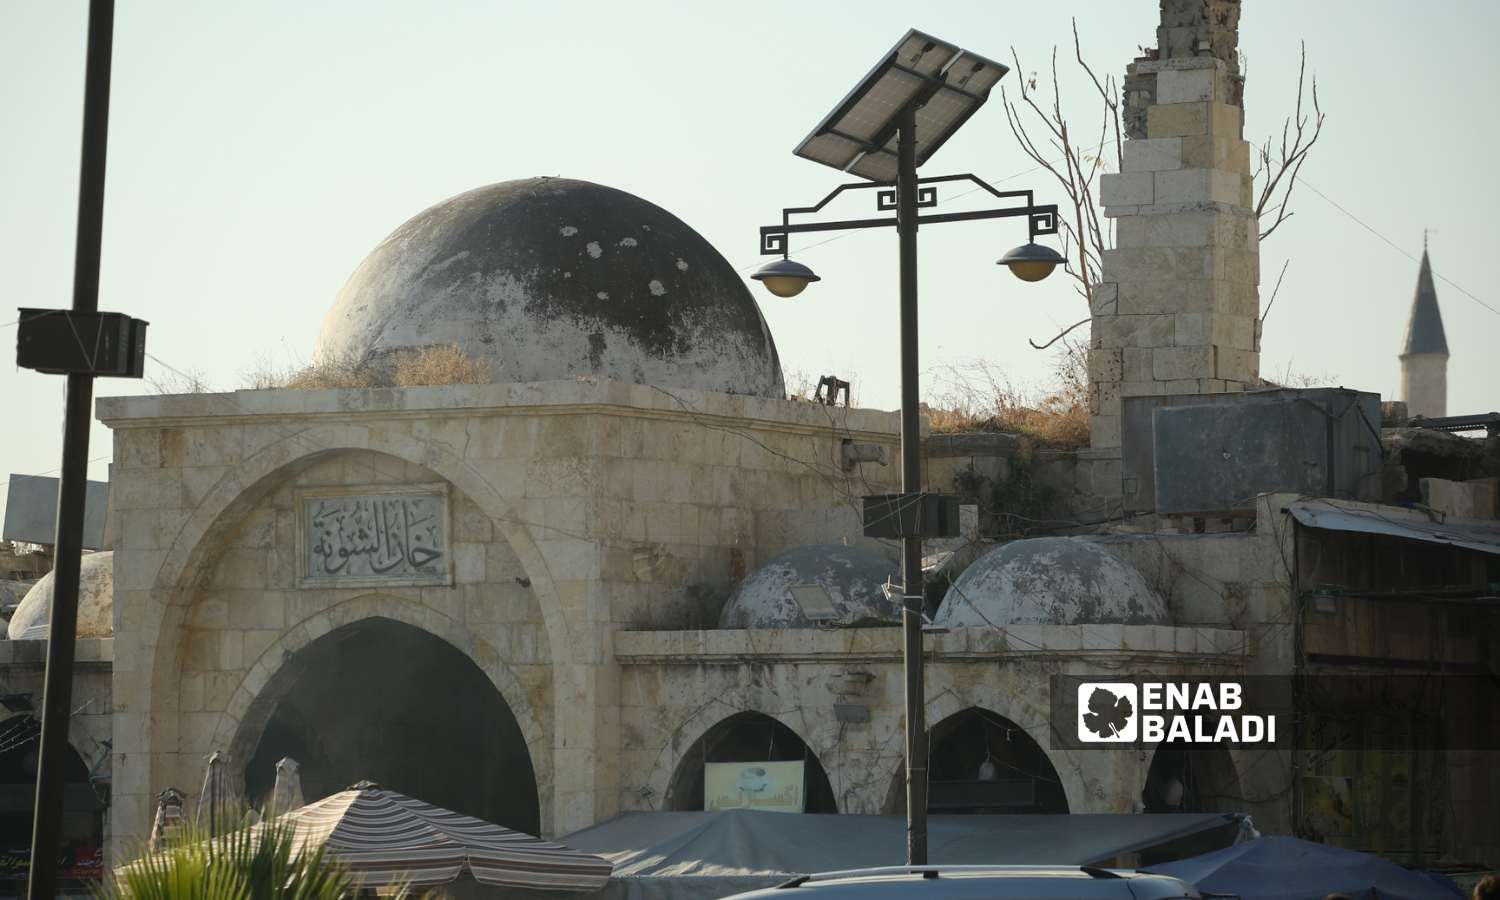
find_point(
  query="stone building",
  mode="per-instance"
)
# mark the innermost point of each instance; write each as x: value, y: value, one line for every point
x: 564, y: 594
x: 1424, y: 356
x: 415, y: 583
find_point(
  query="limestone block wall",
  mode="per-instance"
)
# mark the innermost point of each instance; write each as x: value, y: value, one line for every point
x: 1177, y: 311
x: 237, y: 625
x: 578, y: 508
x: 1238, y: 580
x: 23, y: 670
x: 687, y: 505
x: 1177, y: 308
x: 677, y: 685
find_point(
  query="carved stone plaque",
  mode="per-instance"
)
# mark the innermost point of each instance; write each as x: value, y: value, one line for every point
x: 368, y: 538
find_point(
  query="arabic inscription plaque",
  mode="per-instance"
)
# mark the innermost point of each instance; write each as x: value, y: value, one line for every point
x: 369, y: 538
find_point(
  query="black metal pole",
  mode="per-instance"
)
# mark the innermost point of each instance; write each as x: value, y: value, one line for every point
x: 78, y: 416
x: 911, y: 484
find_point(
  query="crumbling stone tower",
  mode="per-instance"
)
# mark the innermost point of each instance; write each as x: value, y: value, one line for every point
x: 1177, y: 308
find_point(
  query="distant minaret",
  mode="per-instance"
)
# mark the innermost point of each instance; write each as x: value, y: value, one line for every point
x: 1424, y: 360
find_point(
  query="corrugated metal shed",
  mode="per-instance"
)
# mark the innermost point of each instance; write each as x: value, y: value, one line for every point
x: 1332, y: 516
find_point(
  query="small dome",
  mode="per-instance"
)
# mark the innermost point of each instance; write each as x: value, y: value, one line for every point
x: 1050, y: 581
x: 548, y: 279
x: 850, y: 577
x: 96, y: 601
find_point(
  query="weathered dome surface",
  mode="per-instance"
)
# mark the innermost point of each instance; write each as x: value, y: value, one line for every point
x: 96, y: 589
x: 547, y: 279
x: 1050, y: 581
x: 852, y: 576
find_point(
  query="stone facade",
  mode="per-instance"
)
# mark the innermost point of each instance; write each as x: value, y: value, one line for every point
x: 1177, y: 309
x: 677, y: 685
x: 594, y: 530
x: 578, y: 509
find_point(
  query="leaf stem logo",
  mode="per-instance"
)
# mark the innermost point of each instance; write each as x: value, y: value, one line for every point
x: 1107, y: 712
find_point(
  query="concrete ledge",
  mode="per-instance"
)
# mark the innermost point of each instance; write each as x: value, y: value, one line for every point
x: 89, y: 652
x: 579, y: 395
x: 735, y: 646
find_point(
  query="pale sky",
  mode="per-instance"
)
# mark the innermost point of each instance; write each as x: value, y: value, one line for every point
x: 258, y: 151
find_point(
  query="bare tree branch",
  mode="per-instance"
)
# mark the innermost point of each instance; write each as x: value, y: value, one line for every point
x: 1084, y: 232
x: 1278, y: 175
x: 1274, y: 291
x: 1045, y: 134
x: 1059, y: 336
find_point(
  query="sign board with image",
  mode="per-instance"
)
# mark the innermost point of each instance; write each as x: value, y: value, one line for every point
x: 769, y: 786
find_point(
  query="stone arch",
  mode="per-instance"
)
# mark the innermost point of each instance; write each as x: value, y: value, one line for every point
x: 190, y: 559
x: 1028, y: 711
x: 749, y: 736
x: 244, y: 486
x: 1207, y: 779
x: 241, y: 723
x: 84, y: 799
x: 688, y: 735
x: 1031, y: 761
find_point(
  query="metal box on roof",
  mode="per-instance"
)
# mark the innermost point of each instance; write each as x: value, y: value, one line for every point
x: 1207, y: 454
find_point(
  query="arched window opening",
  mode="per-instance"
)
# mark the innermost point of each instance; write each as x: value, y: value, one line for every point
x: 705, y: 780
x: 981, y: 762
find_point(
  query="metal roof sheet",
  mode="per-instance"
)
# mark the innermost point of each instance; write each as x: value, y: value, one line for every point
x: 1330, y: 515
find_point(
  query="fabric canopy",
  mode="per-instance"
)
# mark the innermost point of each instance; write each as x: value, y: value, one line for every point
x: 1285, y: 868
x: 387, y: 838
x: 687, y: 855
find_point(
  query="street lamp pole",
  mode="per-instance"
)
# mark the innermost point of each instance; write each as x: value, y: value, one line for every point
x: 948, y: 85
x: 913, y: 595
x: 913, y: 514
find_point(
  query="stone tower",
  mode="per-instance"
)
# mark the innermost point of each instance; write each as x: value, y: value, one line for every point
x: 1177, y: 308
x: 1424, y: 358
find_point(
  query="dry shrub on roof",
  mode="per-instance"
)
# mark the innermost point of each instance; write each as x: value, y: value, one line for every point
x: 980, y: 398
x: 332, y: 372
x: 441, y: 364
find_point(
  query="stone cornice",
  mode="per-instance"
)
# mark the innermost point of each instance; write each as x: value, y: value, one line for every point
x: 579, y: 397
x: 1142, y: 643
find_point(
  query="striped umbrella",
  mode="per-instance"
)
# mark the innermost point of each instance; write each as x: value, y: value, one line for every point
x: 383, y: 838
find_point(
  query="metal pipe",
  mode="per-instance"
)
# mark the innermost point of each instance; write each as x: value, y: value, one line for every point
x: 911, y: 484
x: 77, y: 417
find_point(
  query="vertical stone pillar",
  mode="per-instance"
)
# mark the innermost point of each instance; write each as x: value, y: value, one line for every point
x: 1424, y: 384
x: 1177, y: 309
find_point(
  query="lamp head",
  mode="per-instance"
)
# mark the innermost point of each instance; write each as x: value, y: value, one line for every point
x: 1031, y: 261
x: 785, y: 278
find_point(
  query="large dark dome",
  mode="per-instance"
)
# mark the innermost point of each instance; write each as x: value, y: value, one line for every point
x: 551, y: 278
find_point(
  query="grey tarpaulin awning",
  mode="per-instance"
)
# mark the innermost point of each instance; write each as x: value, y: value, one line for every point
x: 1331, y: 515
x: 692, y: 855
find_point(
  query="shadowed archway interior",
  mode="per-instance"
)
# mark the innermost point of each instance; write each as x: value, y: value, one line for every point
x: 386, y: 701
x: 982, y: 762
x: 81, y: 856
x: 749, y: 737
x: 1190, y: 779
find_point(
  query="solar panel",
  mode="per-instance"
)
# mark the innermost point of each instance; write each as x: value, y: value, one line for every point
x: 945, y: 83
x: 877, y: 165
